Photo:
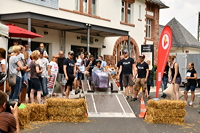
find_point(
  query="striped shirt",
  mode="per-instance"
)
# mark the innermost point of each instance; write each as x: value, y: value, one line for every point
x: 7, y: 122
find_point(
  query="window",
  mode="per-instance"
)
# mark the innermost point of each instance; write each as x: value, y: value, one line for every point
x: 148, y: 28
x: 126, y: 12
x: 139, y: 11
x: 123, y: 12
x: 85, y: 6
x: 129, y: 13
x: 77, y: 5
x: 150, y: 7
x: 93, y: 7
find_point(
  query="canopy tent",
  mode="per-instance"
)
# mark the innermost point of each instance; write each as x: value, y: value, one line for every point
x: 3, y: 30
x: 4, y: 41
x: 15, y: 31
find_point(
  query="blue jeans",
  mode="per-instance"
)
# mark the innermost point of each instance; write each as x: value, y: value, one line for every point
x: 44, y: 86
x: 15, y: 89
x: 164, y: 83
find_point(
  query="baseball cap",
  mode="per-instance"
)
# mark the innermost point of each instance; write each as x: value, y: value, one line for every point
x: 71, y: 52
x: 125, y: 51
x: 142, y: 55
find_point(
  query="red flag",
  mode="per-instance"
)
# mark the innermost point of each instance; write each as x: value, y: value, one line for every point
x: 163, y: 52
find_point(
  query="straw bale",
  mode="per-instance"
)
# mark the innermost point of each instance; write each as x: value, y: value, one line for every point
x: 38, y: 112
x: 166, y: 112
x: 167, y: 104
x: 24, y: 117
x: 66, y: 102
x: 170, y: 120
x: 83, y: 118
x: 66, y: 111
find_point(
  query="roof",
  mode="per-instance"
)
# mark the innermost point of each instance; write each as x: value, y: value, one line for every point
x: 160, y: 3
x: 64, y: 24
x: 181, y: 36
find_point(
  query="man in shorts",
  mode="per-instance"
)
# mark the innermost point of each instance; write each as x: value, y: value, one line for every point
x: 127, y: 68
x: 62, y: 79
x: 142, y: 70
x: 69, y: 71
x: 81, y: 69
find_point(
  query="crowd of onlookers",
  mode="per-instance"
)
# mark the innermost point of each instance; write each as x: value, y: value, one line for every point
x: 36, y: 75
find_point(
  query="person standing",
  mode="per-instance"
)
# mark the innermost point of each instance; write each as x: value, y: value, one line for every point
x: 69, y: 71
x: 14, y: 69
x: 81, y: 69
x: 142, y: 70
x: 150, y: 79
x: 43, y: 62
x: 35, y: 74
x: 52, y: 71
x: 61, y: 75
x: 191, y: 84
x: 175, y: 77
x: 90, y: 65
x: 165, y: 79
x: 15, y: 43
x: 82, y: 50
x: 45, y: 52
x: 120, y: 76
x: 103, y: 63
x: 127, y: 68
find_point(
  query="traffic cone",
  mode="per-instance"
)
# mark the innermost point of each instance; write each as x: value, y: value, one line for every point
x: 142, y: 109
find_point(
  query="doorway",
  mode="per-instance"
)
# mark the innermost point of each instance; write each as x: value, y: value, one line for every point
x: 93, y: 51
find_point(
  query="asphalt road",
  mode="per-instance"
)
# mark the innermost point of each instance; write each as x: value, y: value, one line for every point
x: 124, y: 125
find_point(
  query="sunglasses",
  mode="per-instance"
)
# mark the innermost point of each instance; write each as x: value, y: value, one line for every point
x: 124, y: 53
x: 72, y: 54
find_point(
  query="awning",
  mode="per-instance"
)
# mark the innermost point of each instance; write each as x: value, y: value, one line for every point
x: 15, y: 31
x: 3, y: 30
x: 44, y: 21
x: 160, y: 3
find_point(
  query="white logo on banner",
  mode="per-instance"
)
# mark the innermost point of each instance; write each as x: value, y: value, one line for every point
x: 165, y: 41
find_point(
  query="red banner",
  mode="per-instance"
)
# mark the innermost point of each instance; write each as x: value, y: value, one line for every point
x: 164, y: 48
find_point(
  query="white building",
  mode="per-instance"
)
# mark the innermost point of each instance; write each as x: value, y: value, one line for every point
x: 65, y: 24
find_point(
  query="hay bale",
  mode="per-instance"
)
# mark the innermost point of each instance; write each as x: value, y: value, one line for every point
x: 170, y: 120
x: 66, y: 111
x: 166, y: 112
x: 167, y: 104
x: 24, y: 116
x: 83, y: 118
x: 55, y: 102
x: 38, y: 112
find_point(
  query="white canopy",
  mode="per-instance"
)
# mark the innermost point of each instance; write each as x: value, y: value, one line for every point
x: 4, y: 30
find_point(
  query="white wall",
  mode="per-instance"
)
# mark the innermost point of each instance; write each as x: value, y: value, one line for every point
x: 108, y: 9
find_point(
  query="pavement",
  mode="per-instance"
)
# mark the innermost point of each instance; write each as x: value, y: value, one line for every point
x: 123, y: 125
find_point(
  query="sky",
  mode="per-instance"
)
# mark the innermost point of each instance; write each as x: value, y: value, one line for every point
x: 185, y: 11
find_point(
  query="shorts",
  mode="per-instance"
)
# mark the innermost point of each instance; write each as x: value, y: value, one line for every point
x: 35, y: 84
x: 70, y: 81
x: 62, y: 79
x: 178, y: 80
x: 192, y: 88
x: 127, y: 80
x: 80, y: 76
x: 140, y: 83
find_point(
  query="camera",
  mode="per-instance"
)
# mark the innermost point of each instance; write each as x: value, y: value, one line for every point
x: 11, y: 103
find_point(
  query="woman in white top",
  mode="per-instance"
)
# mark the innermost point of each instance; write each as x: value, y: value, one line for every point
x: 52, y: 71
x: 14, y: 69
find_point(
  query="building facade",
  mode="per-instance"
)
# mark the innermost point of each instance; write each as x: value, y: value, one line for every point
x: 103, y: 27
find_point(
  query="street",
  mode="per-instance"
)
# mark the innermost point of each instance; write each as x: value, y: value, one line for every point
x: 124, y: 125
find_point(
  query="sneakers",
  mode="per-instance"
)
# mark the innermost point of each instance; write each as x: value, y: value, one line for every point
x: 134, y: 99
x: 191, y: 103
x: 163, y: 96
x: 77, y: 91
x: 127, y: 97
x: 25, y: 83
x: 72, y: 93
